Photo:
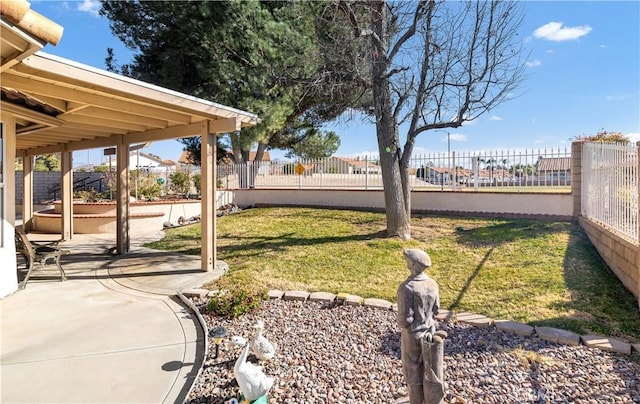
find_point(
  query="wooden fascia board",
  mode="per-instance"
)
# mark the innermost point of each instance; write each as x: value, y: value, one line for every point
x: 29, y: 114
x: 39, y: 87
x: 24, y: 44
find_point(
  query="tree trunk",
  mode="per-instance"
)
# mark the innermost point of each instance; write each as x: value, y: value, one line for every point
x: 398, y: 217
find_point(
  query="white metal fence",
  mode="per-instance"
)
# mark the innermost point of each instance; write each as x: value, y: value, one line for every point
x: 610, y: 187
x: 517, y: 169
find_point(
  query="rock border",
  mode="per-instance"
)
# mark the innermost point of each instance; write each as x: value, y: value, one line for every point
x: 562, y: 337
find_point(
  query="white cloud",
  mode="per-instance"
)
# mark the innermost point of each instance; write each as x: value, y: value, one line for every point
x: 603, y: 46
x: 634, y: 137
x: 550, y: 51
x: 495, y: 118
x: 554, y: 31
x: 457, y: 137
x: 90, y: 6
x: 616, y: 97
x: 535, y: 63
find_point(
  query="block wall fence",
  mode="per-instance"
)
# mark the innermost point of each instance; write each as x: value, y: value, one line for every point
x: 621, y: 255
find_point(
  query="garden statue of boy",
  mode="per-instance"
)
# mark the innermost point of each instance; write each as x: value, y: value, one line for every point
x: 418, y: 304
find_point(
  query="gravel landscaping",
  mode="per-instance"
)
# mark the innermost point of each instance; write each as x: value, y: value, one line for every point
x: 329, y: 353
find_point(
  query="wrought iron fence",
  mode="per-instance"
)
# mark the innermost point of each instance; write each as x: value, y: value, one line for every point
x: 538, y: 169
x: 610, y: 187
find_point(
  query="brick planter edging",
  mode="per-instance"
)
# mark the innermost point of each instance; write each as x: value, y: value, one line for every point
x: 551, y: 334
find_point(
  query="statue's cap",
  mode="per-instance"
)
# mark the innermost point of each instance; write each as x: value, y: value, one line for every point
x: 417, y: 255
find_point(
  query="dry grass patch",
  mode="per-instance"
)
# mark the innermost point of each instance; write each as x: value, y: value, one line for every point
x: 528, y: 358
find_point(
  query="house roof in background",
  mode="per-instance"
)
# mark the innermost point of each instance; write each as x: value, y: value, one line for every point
x: 356, y: 162
x: 554, y: 164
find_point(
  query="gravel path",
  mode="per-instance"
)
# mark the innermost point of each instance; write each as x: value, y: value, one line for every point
x: 348, y: 354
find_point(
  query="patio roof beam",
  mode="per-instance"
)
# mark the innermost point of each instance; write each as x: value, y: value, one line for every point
x: 37, y: 87
x: 91, y: 111
x: 103, y: 122
x: 173, y: 132
x: 29, y: 114
x: 74, y: 146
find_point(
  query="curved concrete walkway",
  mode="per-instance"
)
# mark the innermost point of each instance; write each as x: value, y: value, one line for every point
x: 113, y: 333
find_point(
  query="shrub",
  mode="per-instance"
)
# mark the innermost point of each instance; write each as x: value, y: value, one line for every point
x: 147, y: 185
x: 197, y: 178
x: 236, y: 296
x: 180, y: 183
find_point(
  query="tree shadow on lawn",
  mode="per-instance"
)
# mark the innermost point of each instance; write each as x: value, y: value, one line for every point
x: 596, y: 301
x: 599, y: 303
x: 252, y: 246
x: 495, y: 235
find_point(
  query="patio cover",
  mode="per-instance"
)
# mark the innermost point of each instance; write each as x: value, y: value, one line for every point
x: 55, y: 105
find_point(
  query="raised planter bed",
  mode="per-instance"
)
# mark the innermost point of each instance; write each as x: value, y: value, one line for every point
x: 100, y: 217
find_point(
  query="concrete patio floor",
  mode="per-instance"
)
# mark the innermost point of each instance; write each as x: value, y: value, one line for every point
x: 113, y: 333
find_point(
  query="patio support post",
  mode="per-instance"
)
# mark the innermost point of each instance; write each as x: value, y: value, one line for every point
x: 208, y: 185
x: 122, y: 197
x: 208, y: 190
x: 66, y: 192
x: 27, y: 193
x: 9, y: 128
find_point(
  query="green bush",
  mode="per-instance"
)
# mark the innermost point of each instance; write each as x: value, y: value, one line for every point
x: 236, y: 296
x: 180, y: 183
x: 147, y: 184
x: 197, y: 178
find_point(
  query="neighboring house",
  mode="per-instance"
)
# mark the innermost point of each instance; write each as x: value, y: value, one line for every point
x: 185, y: 162
x: 146, y: 161
x: 349, y: 165
x: 554, y: 168
x: 264, y: 166
x: 435, y: 175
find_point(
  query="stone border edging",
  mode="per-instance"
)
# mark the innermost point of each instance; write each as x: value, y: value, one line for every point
x: 550, y: 334
x: 187, y: 302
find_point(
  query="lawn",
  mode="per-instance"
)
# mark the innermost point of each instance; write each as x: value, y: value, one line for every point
x: 537, y: 272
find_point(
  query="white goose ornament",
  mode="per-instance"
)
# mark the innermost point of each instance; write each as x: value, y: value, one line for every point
x: 261, y: 346
x: 251, y: 379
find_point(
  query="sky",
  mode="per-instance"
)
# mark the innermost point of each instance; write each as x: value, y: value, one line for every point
x: 583, y: 76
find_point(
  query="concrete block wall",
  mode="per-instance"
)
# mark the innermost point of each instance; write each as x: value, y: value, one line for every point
x: 534, y: 205
x: 621, y: 255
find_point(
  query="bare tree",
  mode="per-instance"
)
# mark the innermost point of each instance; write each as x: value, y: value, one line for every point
x: 434, y: 65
